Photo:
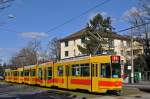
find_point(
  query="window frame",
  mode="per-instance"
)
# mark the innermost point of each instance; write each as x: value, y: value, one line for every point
x: 66, y: 43
x: 78, y: 70
x: 66, y: 53
x: 49, y: 76
x: 60, y: 74
x: 109, y: 75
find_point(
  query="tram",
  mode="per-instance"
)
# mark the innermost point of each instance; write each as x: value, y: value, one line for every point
x: 98, y: 74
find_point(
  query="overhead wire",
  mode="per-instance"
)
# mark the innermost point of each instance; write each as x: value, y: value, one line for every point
x: 75, y: 17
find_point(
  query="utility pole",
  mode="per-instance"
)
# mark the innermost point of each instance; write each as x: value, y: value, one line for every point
x: 132, y: 63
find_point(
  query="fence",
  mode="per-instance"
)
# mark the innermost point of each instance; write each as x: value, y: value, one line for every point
x: 146, y: 75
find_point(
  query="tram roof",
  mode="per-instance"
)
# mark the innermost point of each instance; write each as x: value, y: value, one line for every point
x: 79, y: 58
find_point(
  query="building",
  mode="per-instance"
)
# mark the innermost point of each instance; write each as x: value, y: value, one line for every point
x: 121, y: 45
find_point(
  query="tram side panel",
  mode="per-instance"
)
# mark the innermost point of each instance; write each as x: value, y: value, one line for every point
x: 45, y: 74
x: 60, y: 78
x: 7, y: 75
x: 49, y: 74
x: 27, y: 75
x: 33, y: 76
x: 79, y: 77
x: 20, y: 75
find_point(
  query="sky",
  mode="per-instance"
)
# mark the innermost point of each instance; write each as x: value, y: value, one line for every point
x: 25, y: 20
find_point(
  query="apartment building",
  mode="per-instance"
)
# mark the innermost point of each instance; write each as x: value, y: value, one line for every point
x: 121, y: 45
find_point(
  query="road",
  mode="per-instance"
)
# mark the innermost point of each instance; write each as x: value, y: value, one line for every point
x: 16, y: 91
x: 20, y: 91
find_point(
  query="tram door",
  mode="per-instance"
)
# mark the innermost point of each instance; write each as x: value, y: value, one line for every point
x: 44, y: 76
x: 67, y: 75
x: 94, y: 76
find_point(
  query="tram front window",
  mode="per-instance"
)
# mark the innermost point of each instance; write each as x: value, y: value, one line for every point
x: 116, y: 70
x: 105, y: 70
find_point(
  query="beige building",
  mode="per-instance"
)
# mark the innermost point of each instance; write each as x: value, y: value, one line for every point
x: 121, y: 45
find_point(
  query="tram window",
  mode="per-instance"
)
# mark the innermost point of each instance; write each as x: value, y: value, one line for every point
x: 116, y: 70
x: 21, y: 74
x: 33, y: 72
x: 75, y: 70
x: 40, y: 73
x: 27, y: 72
x: 85, y: 70
x: 49, y: 71
x: 24, y: 73
x: 105, y: 70
x: 15, y: 73
x: 60, y: 70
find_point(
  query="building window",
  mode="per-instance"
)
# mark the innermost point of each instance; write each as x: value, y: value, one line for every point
x: 128, y: 53
x: 122, y: 52
x: 66, y: 43
x: 66, y: 53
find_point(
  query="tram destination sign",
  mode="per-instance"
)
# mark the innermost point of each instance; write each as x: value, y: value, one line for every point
x: 115, y: 59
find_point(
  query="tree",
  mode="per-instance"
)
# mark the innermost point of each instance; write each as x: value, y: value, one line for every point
x: 94, y: 41
x: 28, y: 55
x: 139, y: 63
x: 54, y: 49
x: 140, y: 17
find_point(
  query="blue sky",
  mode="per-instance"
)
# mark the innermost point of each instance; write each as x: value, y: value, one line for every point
x: 39, y: 16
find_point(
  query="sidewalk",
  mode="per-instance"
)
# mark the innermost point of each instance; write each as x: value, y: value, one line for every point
x: 143, y: 85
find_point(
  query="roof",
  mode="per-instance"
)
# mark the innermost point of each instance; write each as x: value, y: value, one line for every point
x: 79, y: 34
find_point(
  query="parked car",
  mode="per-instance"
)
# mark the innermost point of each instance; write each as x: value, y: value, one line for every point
x: 1, y: 77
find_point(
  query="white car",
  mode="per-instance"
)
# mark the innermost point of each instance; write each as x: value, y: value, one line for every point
x: 1, y: 78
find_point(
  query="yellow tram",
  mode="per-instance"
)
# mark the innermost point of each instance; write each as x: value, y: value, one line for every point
x: 20, y: 75
x: 93, y: 73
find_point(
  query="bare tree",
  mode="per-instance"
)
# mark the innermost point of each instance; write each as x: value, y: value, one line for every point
x: 54, y: 49
x: 139, y: 17
x: 28, y: 55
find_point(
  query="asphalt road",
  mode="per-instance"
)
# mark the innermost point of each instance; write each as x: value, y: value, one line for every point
x: 20, y: 91
x: 16, y: 91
